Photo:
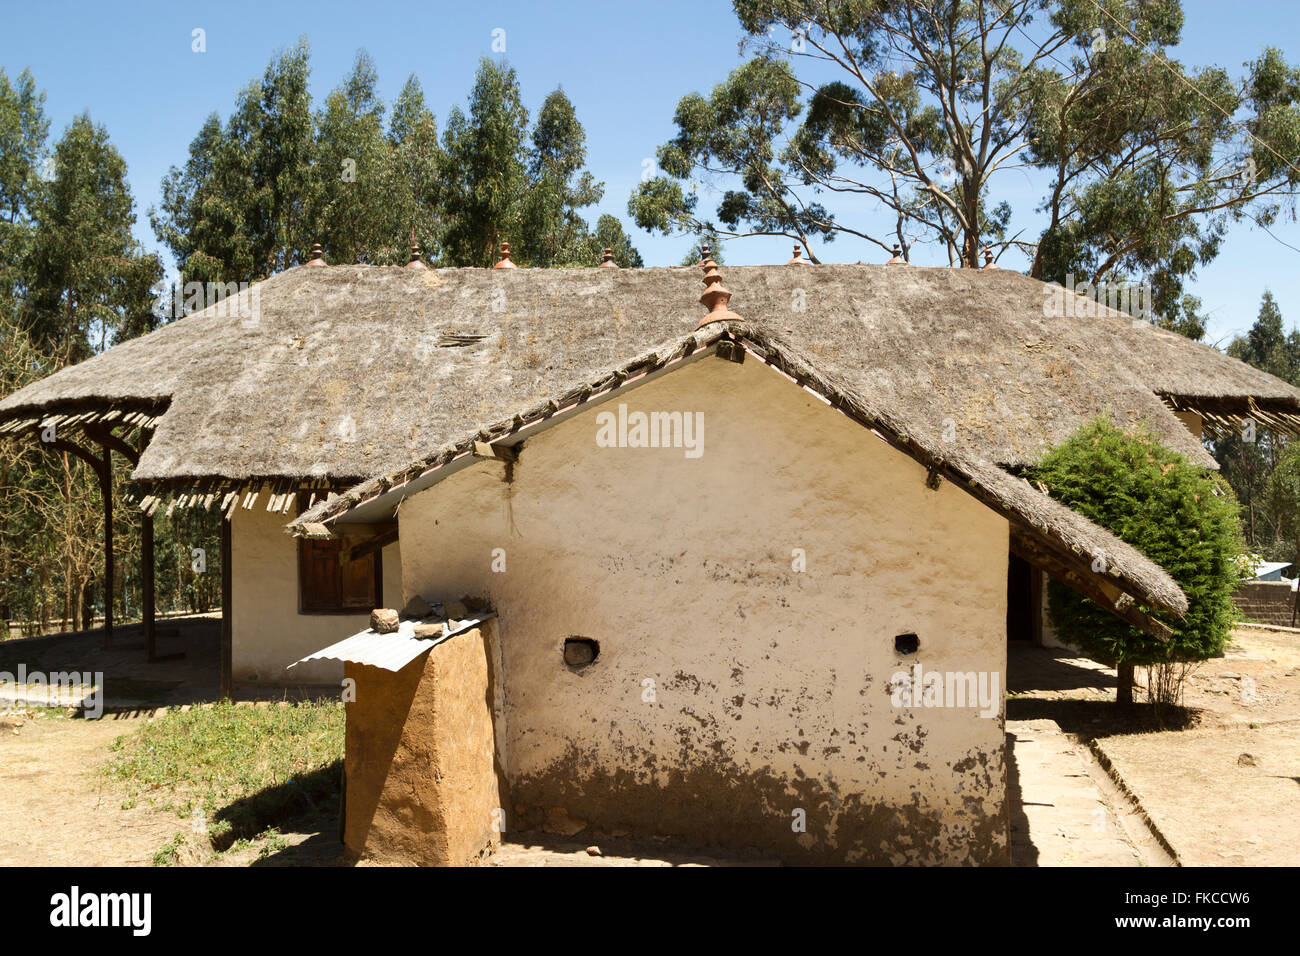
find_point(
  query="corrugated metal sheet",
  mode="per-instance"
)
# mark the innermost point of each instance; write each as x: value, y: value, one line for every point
x: 392, y: 651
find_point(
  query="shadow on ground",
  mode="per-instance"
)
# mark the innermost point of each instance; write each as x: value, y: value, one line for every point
x: 1055, y: 684
x: 1095, y: 718
x: 285, y: 806
x: 1023, y: 851
x: 188, y: 671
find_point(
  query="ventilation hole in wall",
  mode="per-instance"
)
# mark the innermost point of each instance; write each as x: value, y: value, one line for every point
x: 906, y: 643
x: 580, y: 651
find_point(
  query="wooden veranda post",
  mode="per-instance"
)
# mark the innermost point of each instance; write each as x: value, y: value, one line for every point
x: 227, y: 611
x: 147, y: 585
x: 106, y: 491
x: 110, y: 443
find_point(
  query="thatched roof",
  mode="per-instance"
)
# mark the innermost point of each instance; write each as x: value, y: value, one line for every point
x: 1072, y: 538
x: 354, y: 371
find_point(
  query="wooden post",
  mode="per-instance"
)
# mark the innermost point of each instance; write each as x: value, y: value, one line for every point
x: 227, y: 611
x: 106, y: 491
x: 147, y: 584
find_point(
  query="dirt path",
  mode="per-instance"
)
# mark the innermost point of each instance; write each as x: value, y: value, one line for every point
x: 55, y: 808
x: 1220, y: 797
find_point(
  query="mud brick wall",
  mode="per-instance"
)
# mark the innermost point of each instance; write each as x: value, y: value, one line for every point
x: 1268, y: 602
x: 422, y: 785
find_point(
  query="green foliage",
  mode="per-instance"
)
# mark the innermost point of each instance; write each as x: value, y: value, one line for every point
x: 485, y: 174
x: 415, y: 169
x: 1267, y: 346
x: 350, y: 203
x: 931, y: 107
x: 88, y: 278
x: 243, y: 768
x: 1284, y: 497
x: 609, y: 235
x: 23, y: 131
x: 1247, y: 458
x: 1177, y: 514
x: 552, y: 232
x: 236, y: 213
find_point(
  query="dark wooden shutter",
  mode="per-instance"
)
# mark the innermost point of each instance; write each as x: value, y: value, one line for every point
x: 358, y: 581
x: 319, y: 578
x: 329, y: 583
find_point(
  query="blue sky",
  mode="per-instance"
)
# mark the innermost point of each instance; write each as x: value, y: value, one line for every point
x: 624, y: 66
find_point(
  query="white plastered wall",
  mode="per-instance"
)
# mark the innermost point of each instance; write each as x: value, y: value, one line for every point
x: 268, y: 633
x: 726, y: 680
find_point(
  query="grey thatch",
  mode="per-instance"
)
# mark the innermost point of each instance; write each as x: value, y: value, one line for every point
x: 353, y: 371
x: 334, y: 374
x: 1075, y: 539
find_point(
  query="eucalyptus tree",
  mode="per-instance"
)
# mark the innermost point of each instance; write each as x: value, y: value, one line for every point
x: 917, y: 119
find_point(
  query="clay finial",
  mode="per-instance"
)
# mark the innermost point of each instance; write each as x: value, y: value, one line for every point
x: 416, y: 262
x: 716, y: 296
x: 898, y: 259
x: 988, y: 259
x: 317, y: 257
x: 798, y: 259
x: 505, y: 262
x: 607, y: 260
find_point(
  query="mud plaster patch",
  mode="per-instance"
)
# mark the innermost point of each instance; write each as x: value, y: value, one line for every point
x: 714, y: 802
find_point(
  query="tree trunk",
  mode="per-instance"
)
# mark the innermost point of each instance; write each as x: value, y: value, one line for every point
x: 87, y: 605
x: 1124, y: 692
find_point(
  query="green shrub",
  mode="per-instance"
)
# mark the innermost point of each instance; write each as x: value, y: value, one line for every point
x: 1181, y: 516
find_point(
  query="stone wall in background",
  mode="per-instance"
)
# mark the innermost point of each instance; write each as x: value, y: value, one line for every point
x: 1266, y: 602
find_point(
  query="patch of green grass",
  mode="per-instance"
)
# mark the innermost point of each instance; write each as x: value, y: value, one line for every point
x: 273, y: 842
x: 169, y: 853
x: 243, y: 769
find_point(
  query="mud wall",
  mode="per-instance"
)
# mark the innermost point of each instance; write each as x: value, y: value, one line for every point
x: 746, y: 603
x: 421, y: 764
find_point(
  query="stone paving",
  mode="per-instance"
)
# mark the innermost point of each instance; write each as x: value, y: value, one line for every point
x: 1063, y: 812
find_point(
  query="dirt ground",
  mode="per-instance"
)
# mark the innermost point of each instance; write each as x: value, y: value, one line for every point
x: 1220, y: 797
x: 1257, y: 680
x: 1188, y: 788
x: 53, y: 812
x: 1185, y: 785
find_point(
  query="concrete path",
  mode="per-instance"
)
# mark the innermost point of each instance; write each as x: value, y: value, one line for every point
x: 1065, y: 811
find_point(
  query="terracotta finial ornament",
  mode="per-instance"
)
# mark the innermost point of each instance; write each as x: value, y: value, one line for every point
x: 505, y: 262
x: 798, y: 259
x: 317, y: 257
x: 988, y: 259
x: 704, y: 253
x: 607, y: 260
x: 715, y: 297
x: 416, y: 262
x: 898, y: 259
